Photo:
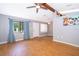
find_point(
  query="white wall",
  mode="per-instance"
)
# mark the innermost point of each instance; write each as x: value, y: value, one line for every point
x: 69, y: 34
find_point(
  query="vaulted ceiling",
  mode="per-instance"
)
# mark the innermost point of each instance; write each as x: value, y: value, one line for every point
x: 20, y: 10
x: 64, y: 7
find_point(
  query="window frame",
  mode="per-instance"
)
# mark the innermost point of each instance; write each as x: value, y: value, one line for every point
x: 19, y: 31
x: 40, y: 28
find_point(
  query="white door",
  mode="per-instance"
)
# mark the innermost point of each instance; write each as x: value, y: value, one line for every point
x: 35, y: 29
x: 18, y: 30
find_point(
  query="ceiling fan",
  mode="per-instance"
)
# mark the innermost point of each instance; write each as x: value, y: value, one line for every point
x: 38, y: 6
x: 44, y: 6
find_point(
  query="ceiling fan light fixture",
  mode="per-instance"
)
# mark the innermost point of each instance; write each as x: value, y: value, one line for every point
x: 37, y: 6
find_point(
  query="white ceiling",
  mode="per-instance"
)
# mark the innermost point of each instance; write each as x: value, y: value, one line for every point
x: 64, y: 7
x: 20, y: 10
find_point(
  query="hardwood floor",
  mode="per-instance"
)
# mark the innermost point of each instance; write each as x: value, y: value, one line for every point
x: 38, y: 47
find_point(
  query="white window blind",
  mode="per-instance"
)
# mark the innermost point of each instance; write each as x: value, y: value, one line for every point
x: 43, y: 28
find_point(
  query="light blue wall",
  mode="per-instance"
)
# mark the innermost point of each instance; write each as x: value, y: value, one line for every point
x: 69, y: 34
x: 26, y: 30
x: 4, y: 29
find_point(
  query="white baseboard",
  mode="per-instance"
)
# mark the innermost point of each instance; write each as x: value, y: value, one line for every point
x: 3, y: 42
x: 19, y: 39
x: 67, y: 43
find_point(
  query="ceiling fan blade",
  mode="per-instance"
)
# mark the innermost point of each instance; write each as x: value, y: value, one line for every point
x: 31, y: 7
x: 36, y: 10
x: 36, y: 3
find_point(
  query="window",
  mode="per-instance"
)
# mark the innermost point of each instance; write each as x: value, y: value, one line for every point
x: 43, y: 28
x: 18, y: 26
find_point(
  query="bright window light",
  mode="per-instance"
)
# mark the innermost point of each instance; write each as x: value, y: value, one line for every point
x: 43, y: 28
x: 18, y: 26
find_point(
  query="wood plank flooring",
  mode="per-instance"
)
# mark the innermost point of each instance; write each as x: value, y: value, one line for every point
x: 43, y: 46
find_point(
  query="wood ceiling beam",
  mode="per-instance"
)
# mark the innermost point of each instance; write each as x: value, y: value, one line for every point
x: 51, y: 9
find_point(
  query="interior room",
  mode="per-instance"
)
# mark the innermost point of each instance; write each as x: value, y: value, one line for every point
x: 39, y: 29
